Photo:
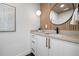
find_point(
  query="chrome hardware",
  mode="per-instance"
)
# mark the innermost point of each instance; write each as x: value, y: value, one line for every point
x: 49, y: 43
x: 46, y: 42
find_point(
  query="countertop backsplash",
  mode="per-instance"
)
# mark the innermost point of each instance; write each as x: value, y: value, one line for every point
x: 64, y: 32
x: 69, y: 32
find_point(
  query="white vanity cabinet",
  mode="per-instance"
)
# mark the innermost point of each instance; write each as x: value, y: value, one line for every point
x: 40, y: 48
x: 43, y: 46
x: 56, y: 47
x: 70, y: 49
x: 63, y: 48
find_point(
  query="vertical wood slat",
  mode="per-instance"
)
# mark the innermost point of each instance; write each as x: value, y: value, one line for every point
x: 44, y: 19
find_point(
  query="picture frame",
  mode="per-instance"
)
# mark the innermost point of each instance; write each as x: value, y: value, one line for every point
x: 7, y: 18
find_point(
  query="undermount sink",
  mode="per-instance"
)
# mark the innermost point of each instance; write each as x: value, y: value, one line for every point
x: 55, y: 35
x: 47, y: 31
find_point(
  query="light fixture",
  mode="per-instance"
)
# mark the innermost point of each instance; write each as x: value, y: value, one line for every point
x: 62, y: 5
x: 38, y: 12
x: 75, y: 16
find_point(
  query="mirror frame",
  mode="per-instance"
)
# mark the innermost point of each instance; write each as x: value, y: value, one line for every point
x: 65, y: 21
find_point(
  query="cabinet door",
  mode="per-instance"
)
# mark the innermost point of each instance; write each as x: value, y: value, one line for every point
x: 41, y: 49
x: 56, y: 47
x: 63, y: 48
x: 70, y: 49
x: 33, y: 44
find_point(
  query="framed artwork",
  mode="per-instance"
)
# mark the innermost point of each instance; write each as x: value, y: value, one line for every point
x: 7, y: 18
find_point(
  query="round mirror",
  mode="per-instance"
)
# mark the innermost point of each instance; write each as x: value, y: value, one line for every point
x: 61, y: 13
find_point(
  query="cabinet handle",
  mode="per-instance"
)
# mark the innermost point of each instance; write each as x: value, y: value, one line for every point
x: 49, y: 43
x: 46, y: 42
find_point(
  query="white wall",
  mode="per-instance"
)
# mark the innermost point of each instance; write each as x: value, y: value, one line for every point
x: 18, y: 43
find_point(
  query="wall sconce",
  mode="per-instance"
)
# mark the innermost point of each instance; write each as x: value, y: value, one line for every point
x: 38, y: 12
x: 75, y: 17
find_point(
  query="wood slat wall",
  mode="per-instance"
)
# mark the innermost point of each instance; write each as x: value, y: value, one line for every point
x: 44, y: 19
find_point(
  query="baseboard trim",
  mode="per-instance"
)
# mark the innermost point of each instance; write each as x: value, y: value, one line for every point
x: 24, y: 53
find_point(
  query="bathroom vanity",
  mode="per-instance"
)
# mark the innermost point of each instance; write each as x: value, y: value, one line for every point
x: 48, y: 43
x: 61, y: 39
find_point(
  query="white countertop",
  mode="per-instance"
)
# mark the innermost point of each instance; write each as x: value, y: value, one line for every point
x: 70, y: 36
